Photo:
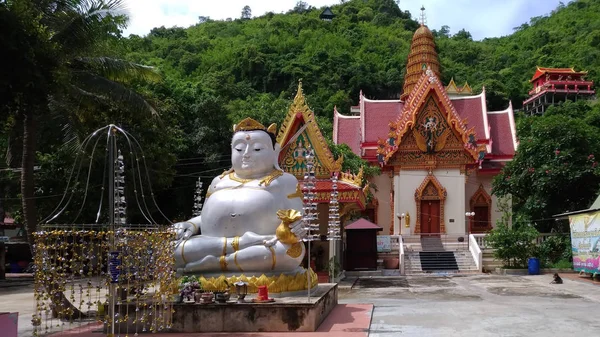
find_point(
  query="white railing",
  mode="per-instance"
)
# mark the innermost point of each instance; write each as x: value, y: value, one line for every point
x: 396, y: 242
x: 401, y: 255
x: 480, y: 239
x: 476, y: 251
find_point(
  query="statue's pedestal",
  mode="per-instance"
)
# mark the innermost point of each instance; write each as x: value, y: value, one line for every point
x: 292, y: 313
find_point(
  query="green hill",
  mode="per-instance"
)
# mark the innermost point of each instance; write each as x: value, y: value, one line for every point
x: 363, y: 48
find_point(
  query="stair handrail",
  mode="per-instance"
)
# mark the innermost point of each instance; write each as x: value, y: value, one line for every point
x: 480, y: 238
x: 476, y: 252
x: 401, y: 254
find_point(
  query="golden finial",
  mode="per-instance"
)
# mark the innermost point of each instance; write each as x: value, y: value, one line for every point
x: 423, y: 17
x: 299, y: 102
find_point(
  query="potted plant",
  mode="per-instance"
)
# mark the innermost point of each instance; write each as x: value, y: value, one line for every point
x: 189, y: 285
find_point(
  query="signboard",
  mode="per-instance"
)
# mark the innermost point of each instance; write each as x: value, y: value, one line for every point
x: 585, y: 242
x: 384, y: 244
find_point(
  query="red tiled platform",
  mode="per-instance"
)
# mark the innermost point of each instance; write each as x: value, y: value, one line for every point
x: 346, y: 320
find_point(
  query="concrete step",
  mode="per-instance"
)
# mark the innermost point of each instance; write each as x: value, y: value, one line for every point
x: 362, y: 273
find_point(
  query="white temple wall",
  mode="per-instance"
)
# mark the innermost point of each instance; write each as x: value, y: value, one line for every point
x: 473, y: 182
x: 454, y: 207
x: 406, y: 183
x: 383, y: 182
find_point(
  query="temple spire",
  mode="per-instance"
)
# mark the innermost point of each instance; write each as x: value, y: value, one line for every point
x: 421, y: 57
x: 423, y: 17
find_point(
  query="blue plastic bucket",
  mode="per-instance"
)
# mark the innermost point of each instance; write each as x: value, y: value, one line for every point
x: 533, y: 265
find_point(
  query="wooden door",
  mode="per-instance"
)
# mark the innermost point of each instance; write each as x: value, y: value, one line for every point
x: 430, y: 217
x: 481, y: 219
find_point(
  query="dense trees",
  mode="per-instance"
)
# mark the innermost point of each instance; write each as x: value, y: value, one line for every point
x: 216, y: 72
x: 70, y: 83
x: 555, y: 169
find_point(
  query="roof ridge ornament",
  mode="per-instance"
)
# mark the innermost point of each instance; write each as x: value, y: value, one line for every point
x: 423, y: 17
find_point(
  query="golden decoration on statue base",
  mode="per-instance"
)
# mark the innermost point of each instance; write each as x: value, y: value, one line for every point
x: 275, y: 284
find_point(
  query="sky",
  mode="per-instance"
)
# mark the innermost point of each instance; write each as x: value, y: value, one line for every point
x: 482, y: 18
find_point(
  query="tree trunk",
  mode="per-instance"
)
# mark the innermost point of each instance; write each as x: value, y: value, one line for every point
x: 27, y: 178
x: 61, y: 306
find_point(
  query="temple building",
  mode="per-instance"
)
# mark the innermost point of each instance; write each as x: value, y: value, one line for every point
x: 555, y: 85
x: 439, y: 148
x: 297, y: 134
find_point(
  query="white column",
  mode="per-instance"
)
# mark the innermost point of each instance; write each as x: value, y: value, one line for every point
x: 397, y: 205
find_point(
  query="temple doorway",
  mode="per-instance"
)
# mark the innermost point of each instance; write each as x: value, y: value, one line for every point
x: 430, y: 218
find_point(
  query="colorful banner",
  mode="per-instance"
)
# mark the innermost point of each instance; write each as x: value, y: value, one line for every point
x: 384, y: 244
x: 585, y: 242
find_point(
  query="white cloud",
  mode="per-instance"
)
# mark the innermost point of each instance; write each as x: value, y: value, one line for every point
x: 147, y: 14
x: 482, y: 18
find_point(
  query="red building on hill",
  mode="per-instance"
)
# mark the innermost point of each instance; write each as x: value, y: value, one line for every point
x: 554, y: 85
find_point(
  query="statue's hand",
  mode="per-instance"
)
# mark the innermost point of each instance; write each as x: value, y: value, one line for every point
x: 298, y: 230
x: 184, y: 230
x: 270, y: 242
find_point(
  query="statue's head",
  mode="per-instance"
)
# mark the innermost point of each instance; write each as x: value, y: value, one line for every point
x: 254, y: 150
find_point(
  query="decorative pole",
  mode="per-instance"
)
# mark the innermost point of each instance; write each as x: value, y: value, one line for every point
x: 198, y: 199
x: 310, y: 209
x: 113, y: 258
x: 333, y: 232
x: 119, y: 183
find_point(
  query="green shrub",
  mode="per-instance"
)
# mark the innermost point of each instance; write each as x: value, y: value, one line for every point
x: 554, y: 249
x: 513, y: 245
x: 562, y: 264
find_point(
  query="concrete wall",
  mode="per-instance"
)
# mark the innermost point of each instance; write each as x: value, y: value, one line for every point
x: 284, y: 315
x: 383, y: 183
x: 406, y: 184
x: 473, y: 182
x: 454, y: 207
x: 459, y: 189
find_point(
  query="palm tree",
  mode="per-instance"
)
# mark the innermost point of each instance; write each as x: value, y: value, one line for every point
x: 78, y: 32
x: 72, y: 35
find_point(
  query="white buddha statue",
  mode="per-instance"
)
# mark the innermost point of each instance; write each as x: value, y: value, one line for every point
x: 250, y: 223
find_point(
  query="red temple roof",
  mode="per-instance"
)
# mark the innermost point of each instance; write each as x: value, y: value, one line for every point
x: 496, y: 129
x: 347, y: 128
x: 504, y: 141
x: 541, y: 71
x: 363, y: 224
x: 377, y: 111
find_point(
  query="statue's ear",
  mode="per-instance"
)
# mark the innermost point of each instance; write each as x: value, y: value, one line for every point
x: 277, y: 150
x: 233, y: 128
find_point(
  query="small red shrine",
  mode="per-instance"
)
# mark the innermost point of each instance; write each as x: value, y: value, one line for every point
x: 554, y: 85
x: 439, y: 148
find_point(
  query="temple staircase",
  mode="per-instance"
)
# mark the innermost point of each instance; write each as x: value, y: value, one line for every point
x: 432, y: 257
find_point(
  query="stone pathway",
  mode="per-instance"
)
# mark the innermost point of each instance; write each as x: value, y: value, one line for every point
x: 475, y: 305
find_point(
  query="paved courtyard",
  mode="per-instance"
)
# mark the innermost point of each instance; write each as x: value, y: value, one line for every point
x: 438, y: 305
x: 478, y: 305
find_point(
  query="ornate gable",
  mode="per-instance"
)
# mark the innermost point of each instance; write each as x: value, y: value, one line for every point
x: 292, y: 155
x: 432, y: 129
